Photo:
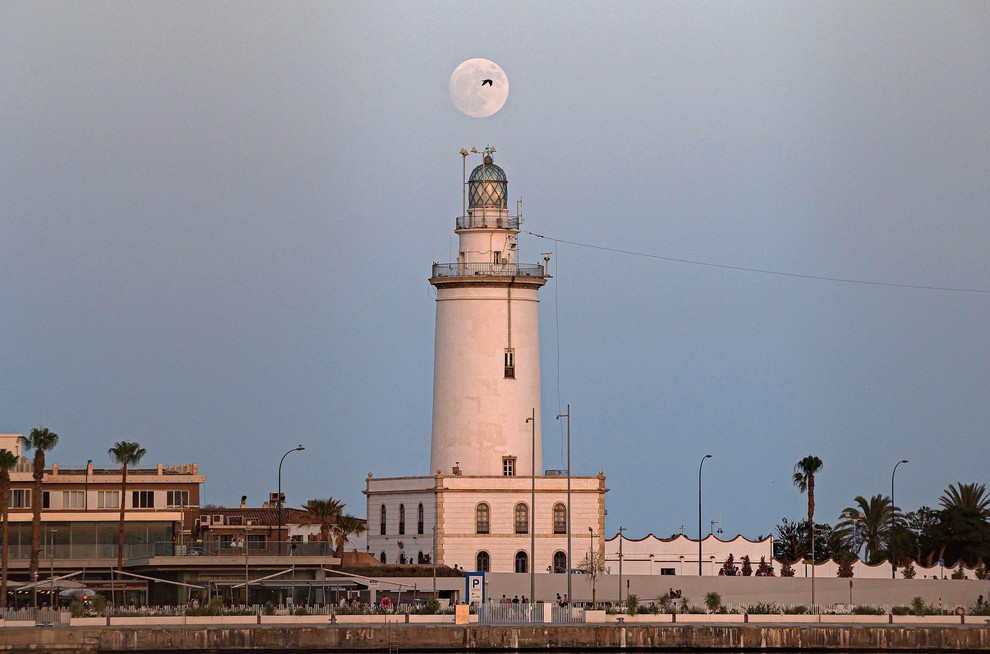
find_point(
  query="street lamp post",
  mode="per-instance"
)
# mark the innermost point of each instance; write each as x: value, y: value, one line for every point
x: 702, y: 465
x: 893, y: 558
x: 592, y: 567
x: 278, y: 497
x: 51, y: 555
x: 532, y: 515
x: 569, y: 563
x: 621, y: 529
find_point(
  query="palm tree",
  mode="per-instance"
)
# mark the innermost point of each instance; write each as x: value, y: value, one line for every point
x: 125, y: 453
x: 40, y: 440
x: 872, y: 520
x: 7, y: 462
x: 346, y: 525
x: 323, y: 512
x: 804, y: 478
x: 967, y: 496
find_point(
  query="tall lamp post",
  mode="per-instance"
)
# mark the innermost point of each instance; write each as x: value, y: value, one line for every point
x: 893, y: 558
x: 569, y: 563
x: 278, y: 534
x: 52, y: 599
x: 621, y: 529
x: 707, y: 456
x: 532, y: 516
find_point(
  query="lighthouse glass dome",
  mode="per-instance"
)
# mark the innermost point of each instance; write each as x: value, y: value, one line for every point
x: 488, y: 187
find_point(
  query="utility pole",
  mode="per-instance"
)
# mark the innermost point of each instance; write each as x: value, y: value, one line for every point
x: 570, y: 564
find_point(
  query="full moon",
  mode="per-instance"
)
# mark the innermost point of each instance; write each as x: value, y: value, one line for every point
x: 479, y: 87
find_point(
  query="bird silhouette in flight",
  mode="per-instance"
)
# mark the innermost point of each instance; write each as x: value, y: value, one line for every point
x: 487, y: 81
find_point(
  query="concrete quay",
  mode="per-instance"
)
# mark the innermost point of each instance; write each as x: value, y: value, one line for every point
x: 457, y: 638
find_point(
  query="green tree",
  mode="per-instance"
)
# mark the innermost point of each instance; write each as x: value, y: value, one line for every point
x: 804, y: 478
x: 594, y: 566
x: 7, y: 463
x: 871, y: 520
x: 127, y: 454
x: 967, y: 496
x: 346, y: 525
x: 324, y: 513
x: 41, y: 440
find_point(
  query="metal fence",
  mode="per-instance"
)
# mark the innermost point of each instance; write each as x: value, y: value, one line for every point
x: 487, y: 270
x: 538, y: 613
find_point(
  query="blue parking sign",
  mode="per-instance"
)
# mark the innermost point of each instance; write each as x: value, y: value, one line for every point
x: 474, y: 588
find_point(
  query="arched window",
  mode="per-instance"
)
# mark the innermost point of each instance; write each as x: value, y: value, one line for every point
x: 482, y: 519
x: 522, y: 518
x: 559, y: 562
x: 384, y: 514
x: 382, y: 557
x: 522, y: 562
x: 559, y: 518
x: 402, y: 519
x: 419, y: 519
x: 484, y: 562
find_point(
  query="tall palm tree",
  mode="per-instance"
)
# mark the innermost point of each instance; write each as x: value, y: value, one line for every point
x: 871, y: 519
x: 967, y: 496
x: 324, y: 513
x: 127, y: 454
x: 804, y: 478
x: 346, y: 525
x: 7, y: 462
x: 40, y: 440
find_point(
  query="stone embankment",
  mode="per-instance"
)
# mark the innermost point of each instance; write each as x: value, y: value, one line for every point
x: 455, y: 638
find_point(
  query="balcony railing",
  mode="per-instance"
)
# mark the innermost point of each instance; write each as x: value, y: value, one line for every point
x: 487, y: 270
x: 485, y: 220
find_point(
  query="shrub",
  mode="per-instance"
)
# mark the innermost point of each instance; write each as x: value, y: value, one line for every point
x: 845, y: 561
x: 799, y: 609
x: 664, y: 603
x: 430, y: 607
x: 763, y: 568
x: 713, y: 601
x: 868, y: 610
x: 764, y: 608
x: 77, y: 609
x: 269, y: 608
x: 786, y: 570
x: 98, y: 604
x: 908, y: 571
x: 919, y: 608
x: 981, y: 571
x: 901, y: 610
x: 300, y: 610
x: 958, y: 573
x: 632, y: 604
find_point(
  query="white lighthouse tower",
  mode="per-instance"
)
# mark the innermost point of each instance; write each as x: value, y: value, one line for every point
x: 486, y: 376
x: 486, y: 503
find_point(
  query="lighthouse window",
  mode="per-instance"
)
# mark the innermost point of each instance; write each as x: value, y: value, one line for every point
x: 508, y: 466
x: 384, y: 514
x: 510, y: 363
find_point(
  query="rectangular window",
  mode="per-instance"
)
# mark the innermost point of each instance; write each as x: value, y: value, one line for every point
x: 73, y: 499
x: 257, y: 541
x: 143, y: 499
x: 668, y: 571
x: 177, y: 498
x: 108, y: 500
x: 496, y: 257
x: 20, y: 499
x: 46, y: 500
x: 510, y: 363
x: 508, y: 466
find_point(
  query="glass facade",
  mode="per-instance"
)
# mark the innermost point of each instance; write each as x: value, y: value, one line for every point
x: 89, y: 540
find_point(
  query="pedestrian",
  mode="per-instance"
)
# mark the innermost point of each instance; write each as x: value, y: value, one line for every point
x: 515, y: 600
x: 560, y: 602
x: 566, y: 601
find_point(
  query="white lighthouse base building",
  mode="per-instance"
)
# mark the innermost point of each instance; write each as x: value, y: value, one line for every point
x: 483, y: 522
